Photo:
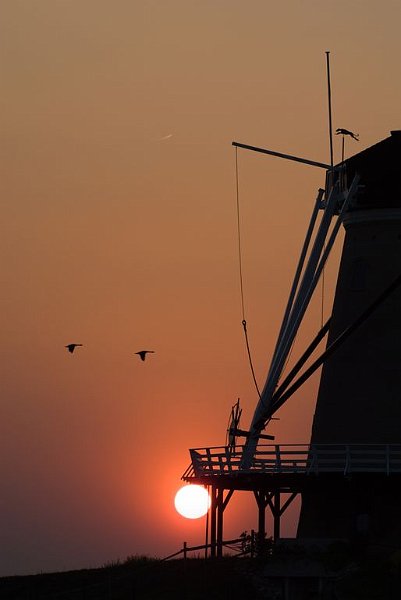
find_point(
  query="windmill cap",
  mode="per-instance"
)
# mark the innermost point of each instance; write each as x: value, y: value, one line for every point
x: 380, y: 175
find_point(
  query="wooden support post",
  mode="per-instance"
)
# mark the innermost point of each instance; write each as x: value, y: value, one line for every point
x: 263, y: 499
x: 220, y: 509
x: 207, y: 531
x: 287, y: 588
x: 261, y: 502
x: 217, y: 507
x: 276, y: 516
x: 261, y: 523
x: 288, y: 502
x: 213, y: 509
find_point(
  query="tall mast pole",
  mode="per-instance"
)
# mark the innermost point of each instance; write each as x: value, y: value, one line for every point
x: 330, y: 113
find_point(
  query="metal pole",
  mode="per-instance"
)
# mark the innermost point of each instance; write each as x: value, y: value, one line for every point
x: 213, y: 509
x: 260, y: 497
x: 343, y: 167
x: 330, y: 115
x: 207, y: 526
x: 220, y: 509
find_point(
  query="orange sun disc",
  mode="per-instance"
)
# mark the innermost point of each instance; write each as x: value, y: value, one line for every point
x: 192, y: 501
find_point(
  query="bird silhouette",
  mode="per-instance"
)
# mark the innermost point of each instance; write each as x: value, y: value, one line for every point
x: 143, y: 353
x: 71, y: 347
x: 341, y: 131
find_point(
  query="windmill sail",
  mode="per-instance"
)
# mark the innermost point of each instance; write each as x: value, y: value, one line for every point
x: 301, y: 293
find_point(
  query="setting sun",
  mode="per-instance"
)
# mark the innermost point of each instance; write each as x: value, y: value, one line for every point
x: 192, y: 501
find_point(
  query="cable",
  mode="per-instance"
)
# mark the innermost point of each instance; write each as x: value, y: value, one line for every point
x: 250, y: 357
x: 240, y: 273
x: 239, y: 236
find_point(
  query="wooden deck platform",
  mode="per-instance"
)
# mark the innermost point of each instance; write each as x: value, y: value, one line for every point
x: 279, y: 472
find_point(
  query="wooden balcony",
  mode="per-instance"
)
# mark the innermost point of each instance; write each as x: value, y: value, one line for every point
x: 296, y: 459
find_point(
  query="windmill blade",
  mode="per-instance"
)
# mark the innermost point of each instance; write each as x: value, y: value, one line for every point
x: 317, y: 259
x: 302, y: 360
x: 299, y: 269
x: 279, y: 401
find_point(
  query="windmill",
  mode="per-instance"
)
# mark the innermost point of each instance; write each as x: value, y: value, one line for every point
x: 351, y: 468
x: 363, y: 349
x: 358, y: 409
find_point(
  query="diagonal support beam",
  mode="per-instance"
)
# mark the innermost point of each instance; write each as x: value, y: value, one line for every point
x: 288, y: 502
x: 305, y: 161
x: 302, y: 360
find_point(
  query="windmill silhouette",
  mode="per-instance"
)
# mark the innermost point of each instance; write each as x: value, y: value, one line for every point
x: 351, y: 467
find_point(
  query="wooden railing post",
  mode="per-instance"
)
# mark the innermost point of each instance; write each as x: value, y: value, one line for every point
x: 220, y: 509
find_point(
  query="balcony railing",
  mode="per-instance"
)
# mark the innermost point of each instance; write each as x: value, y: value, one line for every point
x: 298, y: 458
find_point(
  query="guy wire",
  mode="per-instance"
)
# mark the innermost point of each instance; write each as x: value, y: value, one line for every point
x: 240, y: 273
x: 239, y: 236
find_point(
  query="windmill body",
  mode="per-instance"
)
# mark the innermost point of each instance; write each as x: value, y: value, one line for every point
x: 359, y: 399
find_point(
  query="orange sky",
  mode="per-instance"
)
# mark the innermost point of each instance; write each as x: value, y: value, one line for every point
x: 119, y: 232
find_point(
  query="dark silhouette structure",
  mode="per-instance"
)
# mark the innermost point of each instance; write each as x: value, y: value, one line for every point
x: 359, y: 399
x: 349, y: 475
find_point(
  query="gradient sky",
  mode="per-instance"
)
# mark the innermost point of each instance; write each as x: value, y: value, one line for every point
x: 119, y: 232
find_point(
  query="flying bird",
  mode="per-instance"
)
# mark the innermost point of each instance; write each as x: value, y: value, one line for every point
x: 71, y: 347
x: 341, y: 131
x: 143, y: 353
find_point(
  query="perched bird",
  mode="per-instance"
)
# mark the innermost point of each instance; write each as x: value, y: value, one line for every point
x: 341, y: 131
x: 71, y: 347
x: 143, y: 353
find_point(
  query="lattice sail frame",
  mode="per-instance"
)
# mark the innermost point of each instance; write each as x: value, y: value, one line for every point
x: 333, y: 201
